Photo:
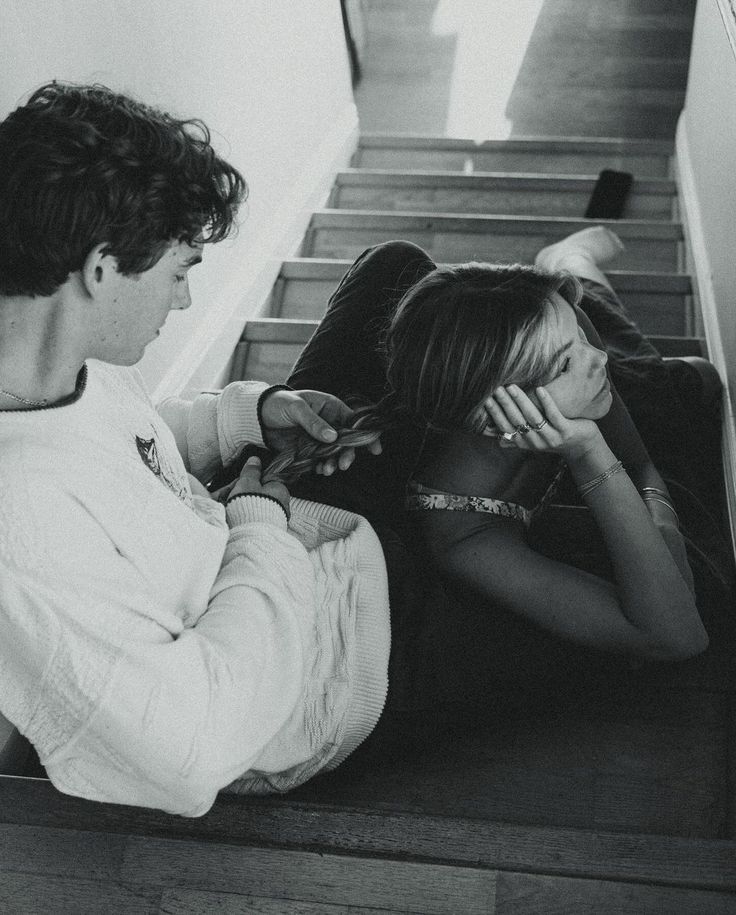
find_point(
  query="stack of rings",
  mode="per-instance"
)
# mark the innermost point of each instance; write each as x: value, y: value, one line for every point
x: 522, y: 430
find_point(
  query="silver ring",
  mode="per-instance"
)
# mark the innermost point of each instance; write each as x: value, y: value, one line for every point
x: 539, y: 425
x: 509, y: 436
x: 523, y: 428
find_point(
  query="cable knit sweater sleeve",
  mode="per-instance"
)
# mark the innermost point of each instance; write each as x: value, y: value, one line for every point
x: 120, y: 707
x: 212, y: 429
x: 211, y: 700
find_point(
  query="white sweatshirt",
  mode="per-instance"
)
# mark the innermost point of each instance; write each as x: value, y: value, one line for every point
x: 154, y: 650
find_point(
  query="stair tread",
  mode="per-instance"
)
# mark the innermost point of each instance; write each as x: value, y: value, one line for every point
x: 334, y: 268
x: 533, y: 180
x: 479, y: 222
x: 562, y: 144
x: 298, y: 330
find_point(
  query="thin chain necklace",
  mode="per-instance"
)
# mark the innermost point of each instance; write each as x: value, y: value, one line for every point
x: 28, y: 403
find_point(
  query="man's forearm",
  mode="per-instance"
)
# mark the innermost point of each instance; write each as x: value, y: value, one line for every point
x: 212, y: 430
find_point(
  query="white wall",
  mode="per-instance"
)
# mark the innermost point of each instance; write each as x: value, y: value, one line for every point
x: 270, y: 79
x: 706, y: 156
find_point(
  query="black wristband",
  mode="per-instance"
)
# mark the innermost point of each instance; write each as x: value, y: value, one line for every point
x: 264, y: 395
x: 260, y: 495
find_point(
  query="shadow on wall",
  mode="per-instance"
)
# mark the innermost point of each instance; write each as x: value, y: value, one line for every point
x: 536, y: 67
x: 604, y: 69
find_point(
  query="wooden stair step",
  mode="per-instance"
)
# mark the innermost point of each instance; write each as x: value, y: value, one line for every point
x: 454, y: 237
x: 659, y: 302
x: 639, y: 757
x: 269, y: 348
x: 38, y: 818
x: 559, y: 155
x: 488, y: 192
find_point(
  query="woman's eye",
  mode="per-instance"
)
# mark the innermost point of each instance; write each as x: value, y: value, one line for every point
x: 180, y: 278
x: 565, y: 365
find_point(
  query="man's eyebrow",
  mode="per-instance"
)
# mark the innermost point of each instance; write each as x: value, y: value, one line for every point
x: 191, y: 261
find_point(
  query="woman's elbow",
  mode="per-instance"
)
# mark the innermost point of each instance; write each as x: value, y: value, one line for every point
x: 681, y: 647
x: 695, y: 646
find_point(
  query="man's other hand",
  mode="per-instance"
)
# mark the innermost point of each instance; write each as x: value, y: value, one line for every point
x: 285, y: 414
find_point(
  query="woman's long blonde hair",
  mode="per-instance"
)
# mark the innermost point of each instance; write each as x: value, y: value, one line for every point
x: 456, y: 335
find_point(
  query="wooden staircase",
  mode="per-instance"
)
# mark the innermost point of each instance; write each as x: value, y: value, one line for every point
x: 497, y: 201
x: 624, y: 801
x: 618, y: 801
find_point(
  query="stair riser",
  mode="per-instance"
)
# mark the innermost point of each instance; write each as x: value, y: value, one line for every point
x: 656, y: 313
x: 272, y: 362
x: 269, y: 362
x: 586, y: 163
x: 650, y: 254
x: 515, y: 203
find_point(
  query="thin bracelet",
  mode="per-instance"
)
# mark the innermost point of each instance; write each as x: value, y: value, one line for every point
x: 657, y: 492
x: 664, y: 502
x: 588, y: 487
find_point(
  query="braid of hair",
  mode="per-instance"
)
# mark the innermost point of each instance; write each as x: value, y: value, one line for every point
x: 365, y: 427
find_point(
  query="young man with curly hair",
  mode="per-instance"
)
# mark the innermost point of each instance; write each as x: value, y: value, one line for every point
x: 156, y: 644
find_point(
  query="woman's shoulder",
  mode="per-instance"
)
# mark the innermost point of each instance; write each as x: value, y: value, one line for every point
x: 443, y: 533
x: 468, y: 491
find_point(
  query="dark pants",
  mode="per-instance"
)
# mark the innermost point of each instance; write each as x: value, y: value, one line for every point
x: 451, y: 649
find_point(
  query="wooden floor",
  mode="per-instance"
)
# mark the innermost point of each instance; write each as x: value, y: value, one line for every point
x: 605, y: 68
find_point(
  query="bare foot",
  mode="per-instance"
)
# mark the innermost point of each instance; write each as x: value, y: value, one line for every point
x: 598, y: 244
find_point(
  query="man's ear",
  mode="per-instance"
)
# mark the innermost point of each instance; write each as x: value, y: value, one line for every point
x: 98, y: 271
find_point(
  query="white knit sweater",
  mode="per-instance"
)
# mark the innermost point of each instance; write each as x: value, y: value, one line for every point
x: 155, y: 650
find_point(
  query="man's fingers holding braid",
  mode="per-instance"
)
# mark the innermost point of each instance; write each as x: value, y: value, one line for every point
x: 250, y: 483
x: 285, y: 414
x: 308, y: 454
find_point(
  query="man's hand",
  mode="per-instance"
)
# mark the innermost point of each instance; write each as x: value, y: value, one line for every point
x: 249, y: 483
x: 285, y: 415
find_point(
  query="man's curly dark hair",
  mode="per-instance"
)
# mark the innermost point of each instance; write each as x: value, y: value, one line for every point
x: 83, y: 165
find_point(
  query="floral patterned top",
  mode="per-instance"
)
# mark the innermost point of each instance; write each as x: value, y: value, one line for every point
x: 421, y: 498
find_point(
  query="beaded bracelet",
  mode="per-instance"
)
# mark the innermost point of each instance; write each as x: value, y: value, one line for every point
x: 588, y: 487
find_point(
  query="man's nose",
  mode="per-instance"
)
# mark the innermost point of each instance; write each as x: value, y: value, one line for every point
x: 182, y: 298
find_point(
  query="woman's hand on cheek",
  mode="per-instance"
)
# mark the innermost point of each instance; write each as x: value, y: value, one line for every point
x: 535, y: 423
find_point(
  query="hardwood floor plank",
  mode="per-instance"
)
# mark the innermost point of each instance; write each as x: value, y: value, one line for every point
x: 62, y: 852
x: 527, y: 894
x: 197, y: 902
x: 338, y: 880
x: 285, y: 822
x: 32, y: 894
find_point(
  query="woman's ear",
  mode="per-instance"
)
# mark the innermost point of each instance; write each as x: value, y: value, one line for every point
x: 98, y: 271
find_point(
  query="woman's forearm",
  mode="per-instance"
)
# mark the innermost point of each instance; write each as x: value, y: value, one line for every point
x: 653, y: 490
x: 653, y: 586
